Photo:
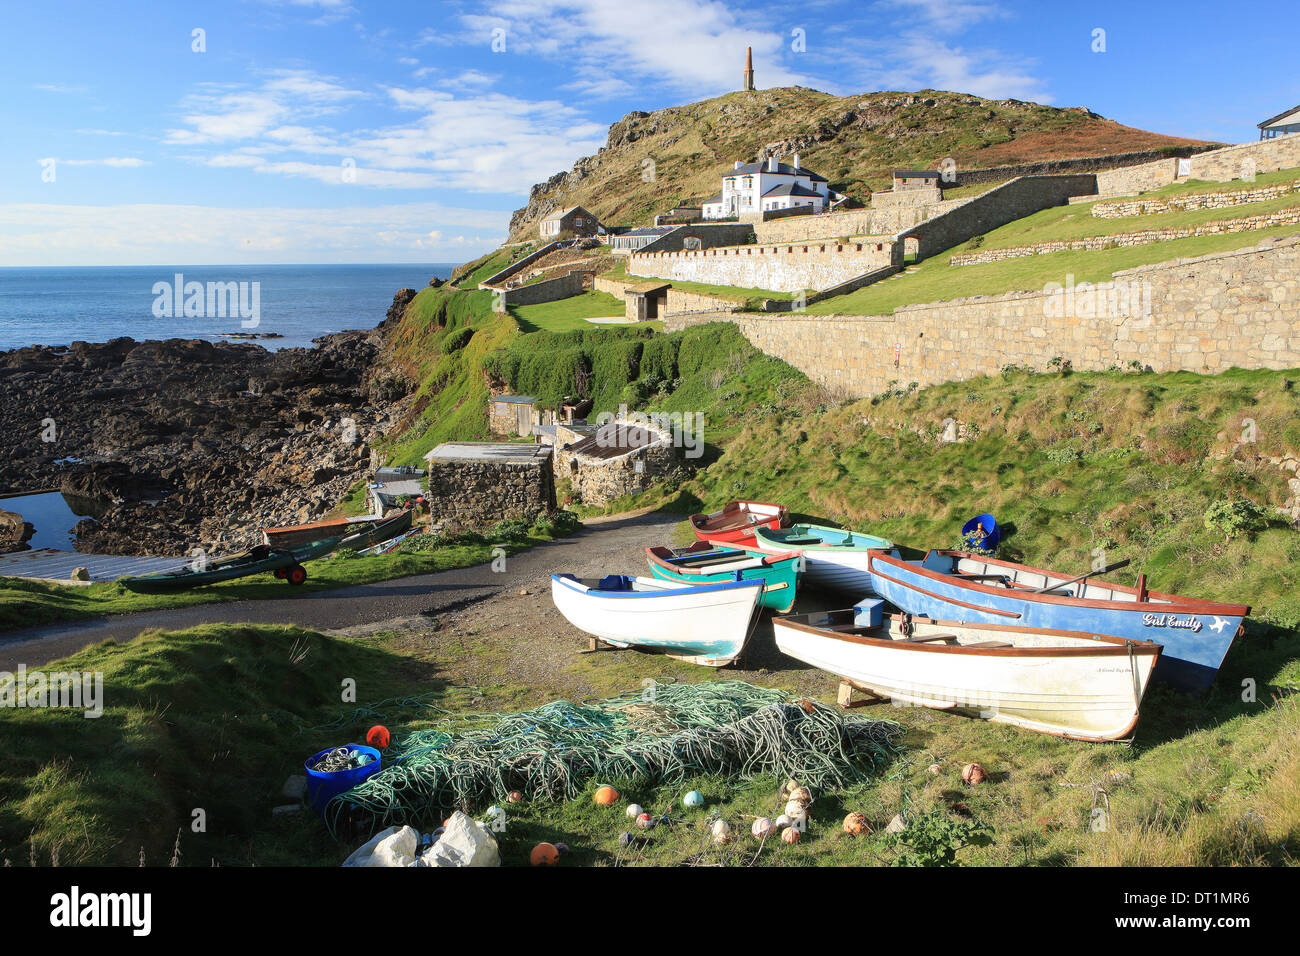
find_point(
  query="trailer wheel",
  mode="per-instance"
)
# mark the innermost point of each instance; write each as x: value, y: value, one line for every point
x: 296, y: 575
x: 279, y: 573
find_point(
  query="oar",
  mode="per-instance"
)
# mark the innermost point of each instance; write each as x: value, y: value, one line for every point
x: 1083, y: 577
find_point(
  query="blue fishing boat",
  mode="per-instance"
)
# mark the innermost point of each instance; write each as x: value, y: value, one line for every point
x: 834, y: 558
x: 702, y: 563
x: 958, y: 586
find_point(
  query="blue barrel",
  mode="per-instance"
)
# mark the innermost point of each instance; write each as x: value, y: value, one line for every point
x: 324, y: 787
x: 987, y: 524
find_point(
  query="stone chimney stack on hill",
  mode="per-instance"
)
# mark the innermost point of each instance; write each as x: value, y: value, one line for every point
x: 749, y: 68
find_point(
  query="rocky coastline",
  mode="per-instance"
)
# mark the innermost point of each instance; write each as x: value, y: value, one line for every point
x: 187, y: 444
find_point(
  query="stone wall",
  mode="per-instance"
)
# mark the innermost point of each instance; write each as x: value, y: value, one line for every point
x: 478, y: 494
x: 1283, y: 217
x: 598, y: 481
x: 708, y: 235
x: 1192, y: 201
x: 876, y: 221
x: 1136, y: 179
x: 1239, y: 162
x: 1101, y: 165
x: 784, y: 268
x: 548, y: 290
x: 911, y: 197
x: 1205, y: 314
x: 997, y: 207
x: 499, y: 278
x: 682, y: 301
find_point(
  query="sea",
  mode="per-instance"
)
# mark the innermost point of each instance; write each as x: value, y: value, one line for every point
x: 56, y: 305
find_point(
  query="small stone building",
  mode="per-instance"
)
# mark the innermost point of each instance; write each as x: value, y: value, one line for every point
x: 574, y: 220
x: 478, y: 484
x: 915, y: 178
x: 511, y: 415
x: 606, y: 462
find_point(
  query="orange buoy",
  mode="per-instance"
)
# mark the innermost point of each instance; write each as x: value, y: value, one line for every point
x: 855, y: 824
x: 605, y: 795
x: 790, y: 835
x: 973, y: 774
x: 515, y: 796
x: 544, y: 854
x: 379, y: 737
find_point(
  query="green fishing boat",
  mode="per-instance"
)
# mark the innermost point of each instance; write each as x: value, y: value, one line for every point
x: 704, y: 563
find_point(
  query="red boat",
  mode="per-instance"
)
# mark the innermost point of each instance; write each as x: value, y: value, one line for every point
x: 735, y: 523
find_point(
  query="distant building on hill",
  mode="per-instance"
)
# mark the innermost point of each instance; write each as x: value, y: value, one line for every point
x: 575, y: 220
x: 1281, y: 124
x: 635, y: 239
x: 751, y: 189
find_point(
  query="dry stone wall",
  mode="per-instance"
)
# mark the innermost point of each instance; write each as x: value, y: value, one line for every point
x: 1284, y: 217
x: 478, y: 494
x: 783, y: 268
x: 1192, y: 202
x: 1205, y: 314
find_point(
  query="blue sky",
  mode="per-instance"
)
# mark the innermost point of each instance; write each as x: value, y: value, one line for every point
x: 334, y: 131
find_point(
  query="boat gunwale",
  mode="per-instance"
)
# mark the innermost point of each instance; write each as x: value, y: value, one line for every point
x: 1171, y: 602
x: 1108, y: 645
x: 852, y: 548
x: 768, y: 560
x: 569, y: 582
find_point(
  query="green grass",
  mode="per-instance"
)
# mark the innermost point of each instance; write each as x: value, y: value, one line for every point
x: 566, y: 315
x: 934, y: 280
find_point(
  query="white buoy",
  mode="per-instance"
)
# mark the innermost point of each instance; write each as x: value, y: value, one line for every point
x: 634, y: 810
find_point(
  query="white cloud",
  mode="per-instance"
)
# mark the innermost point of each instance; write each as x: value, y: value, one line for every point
x: 693, y: 46
x: 470, y: 142
x: 144, y: 234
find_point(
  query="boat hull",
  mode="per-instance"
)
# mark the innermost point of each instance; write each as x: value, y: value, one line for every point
x: 735, y: 523
x: 1087, y: 690
x: 1195, y: 635
x: 829, y: 567
x: 706, y: 625
x: 780, y: 576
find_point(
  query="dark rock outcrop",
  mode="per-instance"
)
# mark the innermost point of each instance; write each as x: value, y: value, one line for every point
x: 187, y: 444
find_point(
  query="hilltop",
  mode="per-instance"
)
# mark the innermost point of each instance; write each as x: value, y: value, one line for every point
x: 855, y: 141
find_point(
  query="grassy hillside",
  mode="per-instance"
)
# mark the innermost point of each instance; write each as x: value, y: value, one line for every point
x: 854, y: 141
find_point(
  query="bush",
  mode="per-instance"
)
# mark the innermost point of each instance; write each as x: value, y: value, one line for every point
x: 511, y: 529
x: 558, y: 524
x: 457, y: 340
x: 1232, y: 518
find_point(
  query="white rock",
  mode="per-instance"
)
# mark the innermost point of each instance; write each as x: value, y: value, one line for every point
x: 391, y: 847
x: 465, y: 842
x: 896, y: 825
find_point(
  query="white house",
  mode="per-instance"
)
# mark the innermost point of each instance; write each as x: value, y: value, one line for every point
x: 753, y: 188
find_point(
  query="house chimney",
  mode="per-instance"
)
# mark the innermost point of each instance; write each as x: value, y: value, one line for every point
x: 796, y: 160
x: 771, y: 164
x: 738, y: 164
x: 749, y: 69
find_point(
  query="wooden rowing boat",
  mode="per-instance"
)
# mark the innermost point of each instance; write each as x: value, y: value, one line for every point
x: 1069, y: 683
x: 736, y: 522
x: 956, y: 585
x: 833, y: 557
x: 705, y: 563
x: 703, y: 624
x: 291, y: 536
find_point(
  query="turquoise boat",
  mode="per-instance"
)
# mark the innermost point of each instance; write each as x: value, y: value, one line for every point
x: 705, y: 563
x: 834, y: 558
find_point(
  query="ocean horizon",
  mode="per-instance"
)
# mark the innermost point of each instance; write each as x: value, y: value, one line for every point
x: 290, y: 303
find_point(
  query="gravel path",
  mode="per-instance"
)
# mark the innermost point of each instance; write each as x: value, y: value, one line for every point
x: 403, y: 602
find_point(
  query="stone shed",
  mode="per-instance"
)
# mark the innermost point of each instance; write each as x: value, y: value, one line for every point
x: 480, y: 483
x: 615, y: 459
x: 511, y: 415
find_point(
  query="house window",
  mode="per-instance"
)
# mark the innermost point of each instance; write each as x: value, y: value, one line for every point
x: 749, y: 182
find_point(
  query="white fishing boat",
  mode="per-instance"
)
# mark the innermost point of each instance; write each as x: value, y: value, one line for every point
x: 1069, y: 683
x: 702, y: 624
x: 833, y: 558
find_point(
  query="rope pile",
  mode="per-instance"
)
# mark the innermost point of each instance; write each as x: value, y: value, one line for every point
x: 727, y: 728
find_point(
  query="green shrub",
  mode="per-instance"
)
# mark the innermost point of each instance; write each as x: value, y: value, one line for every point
x: 457, y: 340
x: 1233, y: 518
x: 933, y: 839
